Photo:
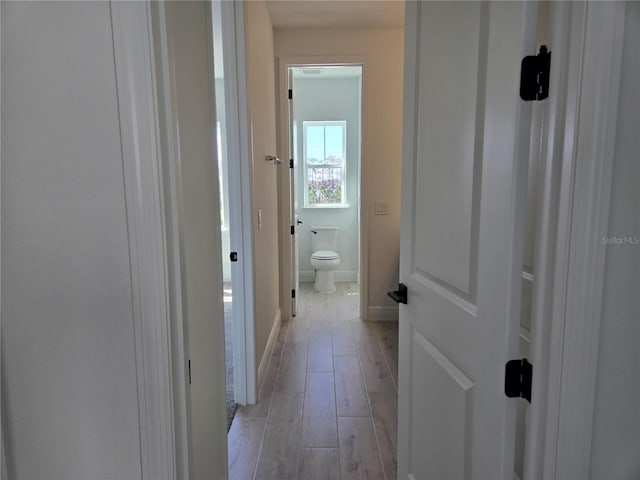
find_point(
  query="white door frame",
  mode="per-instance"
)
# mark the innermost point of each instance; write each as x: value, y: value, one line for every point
x: 194, y: 416
x: 3, y: 461
x: 286, y: 266
x: 151, y: 159
x: 149, y: 204
x: 153, y: 313
x: 586, y: 41
x: 240, y: 200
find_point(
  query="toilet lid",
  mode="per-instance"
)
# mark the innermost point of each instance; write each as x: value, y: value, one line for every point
x: 325, y: 255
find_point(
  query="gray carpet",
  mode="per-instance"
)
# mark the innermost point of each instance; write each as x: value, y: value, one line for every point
x: 228, y: 352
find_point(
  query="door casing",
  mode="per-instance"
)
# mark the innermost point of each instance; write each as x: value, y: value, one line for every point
x: 586, y: 41
x: 286, y: 262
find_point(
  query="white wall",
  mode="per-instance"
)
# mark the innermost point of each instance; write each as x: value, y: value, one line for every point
x: 330, y: 99
x: 616, y: 437
x: 69, y: 388
x: 382, y: 144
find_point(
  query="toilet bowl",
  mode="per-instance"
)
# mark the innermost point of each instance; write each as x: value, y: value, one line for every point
x: 324, y: 258
x: 325, y: 262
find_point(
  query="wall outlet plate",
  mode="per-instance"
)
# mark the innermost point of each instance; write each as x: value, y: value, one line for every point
x: 382, y: 207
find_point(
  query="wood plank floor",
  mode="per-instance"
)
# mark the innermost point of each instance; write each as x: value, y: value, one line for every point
x: 328, y: 405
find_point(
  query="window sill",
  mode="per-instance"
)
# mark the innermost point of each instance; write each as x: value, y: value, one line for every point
x: 316, y: 207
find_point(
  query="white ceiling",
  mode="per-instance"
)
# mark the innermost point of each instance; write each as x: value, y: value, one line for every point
x: 288, y: 14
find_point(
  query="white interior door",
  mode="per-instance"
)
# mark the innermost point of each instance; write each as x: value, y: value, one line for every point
x: 293, y: 216
x: 464, y: 190
x: 228, y: 40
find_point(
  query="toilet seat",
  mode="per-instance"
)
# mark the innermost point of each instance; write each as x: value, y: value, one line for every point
x: 325, y: 255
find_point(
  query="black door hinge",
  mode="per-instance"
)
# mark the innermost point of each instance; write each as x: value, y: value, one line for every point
x: 291, y: 163
x: 400, y: 295
x: 233, y: 256
x: 293, y: 293
x: 517, y: 379
x: 534, y: 75
x: 189, y: 371
x: 290, y: 94
x: 293, y: 230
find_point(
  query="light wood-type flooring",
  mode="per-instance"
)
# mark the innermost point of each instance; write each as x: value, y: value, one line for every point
x: 328, y: 405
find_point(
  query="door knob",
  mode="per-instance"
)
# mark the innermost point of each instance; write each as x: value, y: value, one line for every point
x: 400, y: 295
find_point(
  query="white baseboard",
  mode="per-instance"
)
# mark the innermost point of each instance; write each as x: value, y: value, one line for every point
x: 338, y: 276
x: 382, y: 314
x: 307, y: 276
x: 268, y: 349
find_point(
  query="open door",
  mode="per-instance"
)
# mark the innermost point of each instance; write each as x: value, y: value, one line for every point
x: 294, y: 219
x: 464, y: 190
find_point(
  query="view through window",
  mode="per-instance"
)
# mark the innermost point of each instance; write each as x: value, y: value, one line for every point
x: 324, y: 163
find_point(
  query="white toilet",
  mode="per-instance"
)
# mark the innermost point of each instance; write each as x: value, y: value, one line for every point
x: 324, y: 258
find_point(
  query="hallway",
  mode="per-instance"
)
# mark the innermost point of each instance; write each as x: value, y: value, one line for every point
x: 328, y: 406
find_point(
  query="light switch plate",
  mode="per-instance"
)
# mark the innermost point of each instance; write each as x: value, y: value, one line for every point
x: 382, y: 208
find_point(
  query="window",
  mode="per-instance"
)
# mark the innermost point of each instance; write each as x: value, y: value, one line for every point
x: 324, y: 154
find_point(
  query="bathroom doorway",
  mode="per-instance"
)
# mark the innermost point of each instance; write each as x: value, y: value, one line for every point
x: 325, y: 144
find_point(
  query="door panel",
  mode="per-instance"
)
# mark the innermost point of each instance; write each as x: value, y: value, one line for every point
x: 445, y: 180
x: 436, y: 383
x: 464, y: 190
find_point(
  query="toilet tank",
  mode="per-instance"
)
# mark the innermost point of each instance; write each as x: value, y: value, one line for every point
x: 325, y: 239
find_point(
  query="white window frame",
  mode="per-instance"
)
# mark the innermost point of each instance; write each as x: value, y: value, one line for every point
x: 306, y: 166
